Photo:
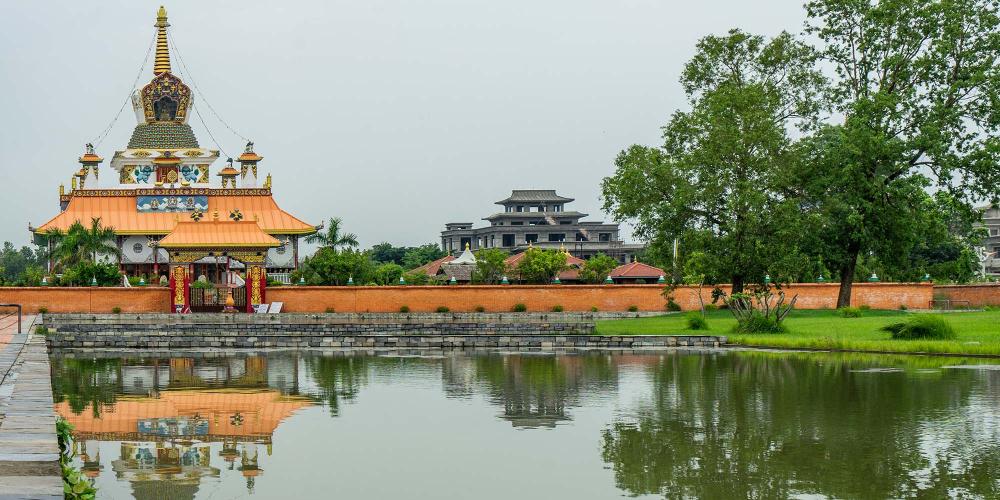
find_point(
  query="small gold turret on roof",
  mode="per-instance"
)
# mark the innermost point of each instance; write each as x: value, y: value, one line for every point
x: 161, y: 64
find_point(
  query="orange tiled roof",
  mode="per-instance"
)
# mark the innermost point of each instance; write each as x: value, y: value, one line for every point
x: 262, y: 411
x: 636, y: 270
x: 433, y: 267
x: 119, y: 212
x: 218, y: 233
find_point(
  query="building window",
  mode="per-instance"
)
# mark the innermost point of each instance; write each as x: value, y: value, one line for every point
x: 541, y: 208
x: 517, y: 223
x: 565, y: 222
x: 531, y: 238
x: 995, y: 231
x: 604, y: 237
x: 581, y: 237
x: 508, y: 240
x: 557, y: 237
x: 520, y: 208
x: 464, y: 242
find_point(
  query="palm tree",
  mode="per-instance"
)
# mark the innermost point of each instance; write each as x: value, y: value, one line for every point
x: 333, y: 238
x: 81, y: 243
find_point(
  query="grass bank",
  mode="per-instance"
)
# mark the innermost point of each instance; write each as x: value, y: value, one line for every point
x: 978, y: 332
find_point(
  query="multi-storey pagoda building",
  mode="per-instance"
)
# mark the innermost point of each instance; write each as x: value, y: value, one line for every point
x: 162, y: 202
x: 538, y: 217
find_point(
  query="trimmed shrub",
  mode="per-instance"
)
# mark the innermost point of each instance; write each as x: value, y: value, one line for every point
x: 404, y: 309
x: 480, y: 309
x: 696, y: 321
x: 43, y: 310
x: 921, y: 326
x: 594, y: 309
x: 849, y: 312
x: 519, y: 308
x: 442, y: 309
x: 116, y: 310
x: 711, y: 307
x: 633, y: 308
x: 557, y: 308
x: 673, y: 306
x: 758, y: 323
x: 865, y: 307
x: 41, y: 330
x: 330, y: 310
x: 902, y: 307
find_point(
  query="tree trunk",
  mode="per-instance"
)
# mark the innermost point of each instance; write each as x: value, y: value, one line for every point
x: 737, y: 283
x: 847, y: 275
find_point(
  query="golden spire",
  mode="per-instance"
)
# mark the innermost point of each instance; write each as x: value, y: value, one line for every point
x: 162, y: 62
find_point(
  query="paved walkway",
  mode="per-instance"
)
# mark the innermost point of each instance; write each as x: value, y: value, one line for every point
x: 29, y: 451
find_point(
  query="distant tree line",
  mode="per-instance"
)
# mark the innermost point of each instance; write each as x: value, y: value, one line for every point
x: 864, y: 155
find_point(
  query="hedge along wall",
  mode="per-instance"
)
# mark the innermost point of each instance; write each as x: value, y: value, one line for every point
x: 537, y: 298
x: 977, y: 295
x: 87, y: 299
x: 571, y: 297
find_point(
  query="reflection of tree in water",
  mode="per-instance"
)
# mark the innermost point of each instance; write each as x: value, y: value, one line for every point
x: 536, y: 390
x: 83, y: 382
x: 761, y: 425
x: 338, y: 377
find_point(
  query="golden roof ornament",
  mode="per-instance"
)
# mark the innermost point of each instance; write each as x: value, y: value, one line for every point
x: 267, y: 182
x: 161, y: 64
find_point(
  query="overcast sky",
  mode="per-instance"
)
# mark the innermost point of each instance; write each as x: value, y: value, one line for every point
x: 397, y: 116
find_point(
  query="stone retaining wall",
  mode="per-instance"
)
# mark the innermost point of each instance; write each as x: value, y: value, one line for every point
x: 429, y: 330
x: 170, y: 340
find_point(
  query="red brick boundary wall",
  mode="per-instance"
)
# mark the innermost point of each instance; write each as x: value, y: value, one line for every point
x: 570, y: 297
x: 88, y: 299
x: 494, y: 298
x: 987, y: 294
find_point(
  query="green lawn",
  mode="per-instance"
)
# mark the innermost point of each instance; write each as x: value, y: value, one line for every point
x: 978, y: 332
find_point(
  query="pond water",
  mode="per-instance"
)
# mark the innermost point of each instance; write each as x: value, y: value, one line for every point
x: 485, y: 425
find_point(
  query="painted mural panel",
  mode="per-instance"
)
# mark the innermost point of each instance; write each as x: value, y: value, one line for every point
x: 163, y: 203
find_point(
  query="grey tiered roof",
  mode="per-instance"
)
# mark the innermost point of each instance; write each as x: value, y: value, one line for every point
x: 534, y: 195
x: 162, y: 135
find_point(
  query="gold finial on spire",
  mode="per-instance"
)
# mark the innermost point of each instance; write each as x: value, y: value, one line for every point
x: 161, y: 64
x: 267, y: 182
x: 62, y: 189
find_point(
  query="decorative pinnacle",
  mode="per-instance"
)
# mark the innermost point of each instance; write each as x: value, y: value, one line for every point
x: 161, y: 64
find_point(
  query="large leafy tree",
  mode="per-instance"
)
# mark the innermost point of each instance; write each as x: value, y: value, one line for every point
x: 916, y: 96
x: 541, y: 266
x: 597, y: 268
x: 334, y: 237
x: 491, y: 266
x: 418, y: 256
x: 717, y: 182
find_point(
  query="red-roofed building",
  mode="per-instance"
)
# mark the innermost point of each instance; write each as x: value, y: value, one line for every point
x: 636, y: 272
x: 433, y: 267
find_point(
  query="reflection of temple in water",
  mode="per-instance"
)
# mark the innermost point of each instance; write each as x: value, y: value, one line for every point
x: 533, y: 390
x: 170, y: 414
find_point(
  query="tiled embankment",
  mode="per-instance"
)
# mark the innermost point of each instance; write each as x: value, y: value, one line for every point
x: 426, y: 330
x: 29, y: 450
